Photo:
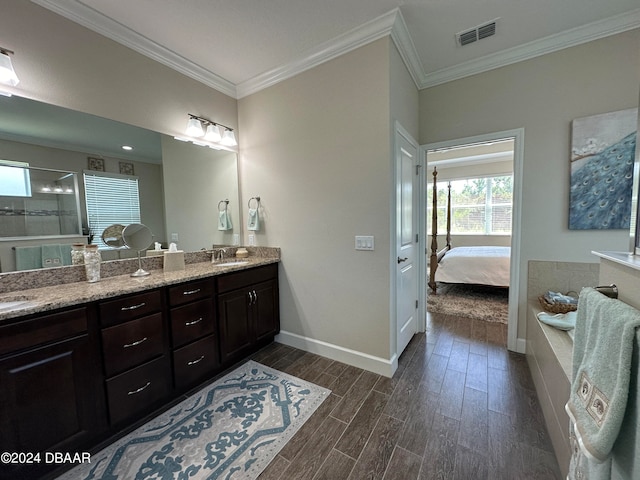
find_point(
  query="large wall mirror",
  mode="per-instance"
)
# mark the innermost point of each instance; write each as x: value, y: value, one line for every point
x: 180, y: 184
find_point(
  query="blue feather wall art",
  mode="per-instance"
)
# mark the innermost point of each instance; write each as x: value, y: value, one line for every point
x: 602, y: 157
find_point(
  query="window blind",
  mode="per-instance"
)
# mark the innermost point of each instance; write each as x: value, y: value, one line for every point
x: 110, y: 199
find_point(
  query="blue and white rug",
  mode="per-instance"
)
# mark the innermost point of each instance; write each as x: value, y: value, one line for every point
x: 230, y: 430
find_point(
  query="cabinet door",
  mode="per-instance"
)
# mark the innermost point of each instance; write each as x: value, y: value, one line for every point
x: 50, y: 400
x: 265, y: 310
x: 234, y: 323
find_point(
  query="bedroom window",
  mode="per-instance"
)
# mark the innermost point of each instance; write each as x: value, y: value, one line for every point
x: 479, y: 206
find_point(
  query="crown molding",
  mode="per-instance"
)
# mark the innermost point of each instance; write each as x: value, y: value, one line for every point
x: 88, y: 17
x: 358, y: 37
x: 391, y: 23
x: 570, y: 38
x: 408, y: 52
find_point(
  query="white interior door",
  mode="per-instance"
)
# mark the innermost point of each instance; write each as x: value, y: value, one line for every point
x: 406, y: 159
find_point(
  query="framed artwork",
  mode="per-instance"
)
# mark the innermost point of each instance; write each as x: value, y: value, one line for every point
x: 602, y: 156
x: 96, y: 164
x: 126, y: 168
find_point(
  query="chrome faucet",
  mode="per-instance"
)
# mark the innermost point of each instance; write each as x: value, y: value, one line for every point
x: 218, y: 256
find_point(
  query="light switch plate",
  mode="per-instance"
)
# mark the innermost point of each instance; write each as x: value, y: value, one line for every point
x: 174, y: 237
x: 364, y: 242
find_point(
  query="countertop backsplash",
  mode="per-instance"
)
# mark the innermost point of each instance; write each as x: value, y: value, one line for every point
x: 45, y: 277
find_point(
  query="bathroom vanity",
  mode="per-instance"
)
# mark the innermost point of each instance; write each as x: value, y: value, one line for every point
x: 79, y: 371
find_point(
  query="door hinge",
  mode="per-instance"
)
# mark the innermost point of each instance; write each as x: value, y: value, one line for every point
x: 418, y: 169
x: 417, y: 237
x: 416, y: 303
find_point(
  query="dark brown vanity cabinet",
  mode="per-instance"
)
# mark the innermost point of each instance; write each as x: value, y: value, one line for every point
x: 194, y: 336
x: 248, y: 311
x: 137, y: 366
x: 51, y: 389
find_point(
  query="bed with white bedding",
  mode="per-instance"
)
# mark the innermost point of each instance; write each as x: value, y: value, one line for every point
x: 479, y: 265
x: 475, y: 265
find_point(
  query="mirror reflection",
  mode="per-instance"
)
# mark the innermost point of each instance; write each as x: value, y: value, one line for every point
x: 50, y: 137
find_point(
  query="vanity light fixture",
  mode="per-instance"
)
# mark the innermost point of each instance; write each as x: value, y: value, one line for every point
x: 194, y: 127
x: 7, y: 73
x: 211, y: 131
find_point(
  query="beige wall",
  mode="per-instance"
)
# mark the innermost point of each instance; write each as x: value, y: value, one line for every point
x: 317, y: 150
x: 543, y: 96
x: 63, y: 63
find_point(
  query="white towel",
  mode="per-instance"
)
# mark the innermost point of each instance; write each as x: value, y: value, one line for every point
x: 253, y: 222
x: 224, y: 220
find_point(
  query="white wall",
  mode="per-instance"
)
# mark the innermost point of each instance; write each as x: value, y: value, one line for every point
x: 542, y: 95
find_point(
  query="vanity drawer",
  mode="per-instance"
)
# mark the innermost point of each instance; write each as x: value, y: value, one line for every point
x: 138, y: 390
x: 128, y: 308
x: 43, y: 329
x: 192, y: 321
x: 234, y: 281
x: 195, y: 362
x: 188, y: 292
x: 132, y: 343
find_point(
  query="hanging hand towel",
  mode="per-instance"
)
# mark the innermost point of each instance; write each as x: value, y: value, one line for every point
x: 253, y: 223
x: 224, y: 220
x: 602, y: 351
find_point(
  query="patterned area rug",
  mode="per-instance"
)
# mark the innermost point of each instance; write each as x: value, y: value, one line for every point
x: 479, y: 302
x: 229, y: 430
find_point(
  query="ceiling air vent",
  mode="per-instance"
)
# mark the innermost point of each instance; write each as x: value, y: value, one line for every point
x: 476, y: 33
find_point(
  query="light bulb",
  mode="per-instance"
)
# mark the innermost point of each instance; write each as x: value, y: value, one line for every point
x: 229, y: 138
x: 213, y: 133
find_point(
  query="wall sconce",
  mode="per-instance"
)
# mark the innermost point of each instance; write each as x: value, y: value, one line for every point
x: 211, y: 131
x: 7, y: 74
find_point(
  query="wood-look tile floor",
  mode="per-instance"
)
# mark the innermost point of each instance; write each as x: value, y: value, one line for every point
x: 459, y: 407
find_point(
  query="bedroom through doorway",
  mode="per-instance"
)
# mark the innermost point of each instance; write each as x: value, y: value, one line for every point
x: 469, y: 257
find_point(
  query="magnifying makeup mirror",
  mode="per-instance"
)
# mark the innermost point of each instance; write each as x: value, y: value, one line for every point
x: 137, y: 237
x: 112, y: 236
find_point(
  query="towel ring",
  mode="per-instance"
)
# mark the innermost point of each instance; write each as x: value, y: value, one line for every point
x: 257, y: 199
x: 226, y: 203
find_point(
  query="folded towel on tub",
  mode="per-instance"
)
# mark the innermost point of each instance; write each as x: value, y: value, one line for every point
x: 561, y: 321
x: 602, y: 351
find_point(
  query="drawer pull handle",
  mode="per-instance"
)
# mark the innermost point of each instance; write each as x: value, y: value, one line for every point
x: 188, y: 324
x: 253, y: 297
x: 193, y: 362
x: 191, y: 292
x: 138, y: 342
x: 133, y: 307
x: 139, y: 390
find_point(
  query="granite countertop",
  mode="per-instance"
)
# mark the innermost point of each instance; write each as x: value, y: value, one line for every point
x: 43, y: 299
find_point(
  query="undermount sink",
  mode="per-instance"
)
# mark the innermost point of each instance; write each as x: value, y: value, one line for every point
x: 231, y: 264
x: 18, y: 302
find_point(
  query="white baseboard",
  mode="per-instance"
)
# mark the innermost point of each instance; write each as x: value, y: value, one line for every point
x: 521, y: 345
x: 365, y: 361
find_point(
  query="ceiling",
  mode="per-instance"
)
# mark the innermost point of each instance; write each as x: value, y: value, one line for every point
x: 242, y: 46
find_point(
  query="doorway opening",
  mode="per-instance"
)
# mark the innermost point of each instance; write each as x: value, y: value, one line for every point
x: 476, y: 224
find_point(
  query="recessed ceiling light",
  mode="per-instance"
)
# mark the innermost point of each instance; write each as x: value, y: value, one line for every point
x: 127, y: 147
